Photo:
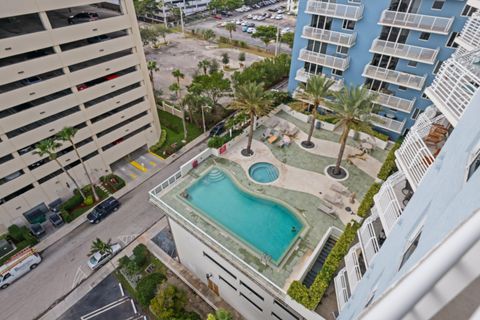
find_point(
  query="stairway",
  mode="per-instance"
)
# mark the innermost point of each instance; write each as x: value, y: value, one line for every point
x: 317, y: 265
x: 215, y: 175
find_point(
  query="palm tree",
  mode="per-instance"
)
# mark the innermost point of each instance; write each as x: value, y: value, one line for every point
x: 152, y: 66
x: 204, y: 65
x: 175, y: 88
x: 162, y: 31
x: 195, y: 103
x: 251, y: 98
x: 315, y: 91
x: 48, y: 147
x: 230, y: 27
x: 208, y: 35
x: 353, y: 108
x: 66, y: 135
x: 177, y: 74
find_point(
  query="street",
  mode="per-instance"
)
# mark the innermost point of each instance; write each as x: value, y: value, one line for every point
x: 65, y: 262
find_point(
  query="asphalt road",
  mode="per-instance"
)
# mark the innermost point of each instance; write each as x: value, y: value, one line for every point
x: 211, y: 23
x: 65, y: 262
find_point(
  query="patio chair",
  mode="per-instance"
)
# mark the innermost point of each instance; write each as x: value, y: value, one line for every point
x: 272, y: 123
x: 292, y: 131
x: 340, y: 189
x: 283, y: 127
x: 326, y: 208
x: 266, y: 134
x: 337, y: 201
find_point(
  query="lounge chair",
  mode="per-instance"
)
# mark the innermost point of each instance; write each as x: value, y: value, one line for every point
x: 272, y: 139
x: 266, y: 133
x: 272, y: 123
x: 337, y: 201
x: 292, y: 132
x: 326, y: 208
x: 340, y: 189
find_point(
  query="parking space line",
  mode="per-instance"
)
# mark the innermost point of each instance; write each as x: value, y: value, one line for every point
x: 156, y: 155
x: 153, y: 164
x: 79, y: 276
x: 138, y: 166
x: 105, y: 308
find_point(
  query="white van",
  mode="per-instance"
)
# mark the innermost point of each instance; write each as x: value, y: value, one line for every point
x: 18, y: 265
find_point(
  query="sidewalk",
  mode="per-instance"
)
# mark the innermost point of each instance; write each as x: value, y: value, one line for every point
x: 69, y: 227
x: 179, y: 270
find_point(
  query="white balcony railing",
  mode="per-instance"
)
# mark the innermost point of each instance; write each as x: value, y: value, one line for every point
x: 455, y: 84
x: 398, y: 78
x: 387, y: 123
x: 418, y: 22
x: 387, y: 201
x: 421, y: 146
x: 335, y: 10
x: 341, y: 289
x: 368, y: 238
x: 469, y: 38
x: 324, y: 60
x: 302, y: 76
x: 404, y: 51
x: 328, y: 36
x: 393, y: 102
x: 352, y: 264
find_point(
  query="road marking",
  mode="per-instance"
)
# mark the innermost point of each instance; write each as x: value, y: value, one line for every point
x: 138, y: 166
x: 105, y: 308
x: 156, y: 155
x: 126, y: 239
x: 121, y: 289
x: 153, y: 164
x: 133, y: 176
x: 133, y: 306
x: 79, y: 276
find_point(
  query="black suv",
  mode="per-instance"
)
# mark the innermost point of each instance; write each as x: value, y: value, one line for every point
x: 83, y: 17
x: 103, y: 209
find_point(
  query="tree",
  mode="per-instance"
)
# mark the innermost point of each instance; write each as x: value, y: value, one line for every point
x: 142, y: 7
x: 169, y: 302
x: 162, y: 31
x: 266, y: 34
x: 67, y: 134
x: 230, y: 27
x: 214, y: 66
x: 213, y: 86
x: 316, y: 91
x: 48, y: 147
x: 204, y: 65
x: 352, y: 108
x: 241, y: 58
x: 177, y: 74
x: 225, y: 59
x: 219, y: 5
x: 288, y: 39
x: 208, y: 35
x: 251, y: 99
x: 152, y: 66
x: 149, y: 35
x: 220, y: 314
x: 196, y: 104
x: 175, y: 88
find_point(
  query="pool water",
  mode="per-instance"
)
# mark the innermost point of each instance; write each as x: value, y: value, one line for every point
x: 265, y: 225
x: 263, y: 172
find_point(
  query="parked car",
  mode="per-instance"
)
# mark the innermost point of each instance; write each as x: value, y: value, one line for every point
x: 249, y: 16
x: 81, y: 87
x: 37, y: 230
x: 104, y: 209
x: 97, y: 259
x: 218, y: 17
x: 83, y: 17
x: 285, y: 30
x: 217, y: 130
x: 55, y: 219
x: 18, y: 265
x: 251, y: 25
x: 251, y: 30
x: 100, y: 38
x: 278, y: 17
x: 244, y: 28
x: 31, y: 80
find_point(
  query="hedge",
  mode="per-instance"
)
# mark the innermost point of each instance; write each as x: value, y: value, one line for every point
x: 112, y: 187
x: 218, y: 141
x: 367, y: 202
x: 147, y: 287
x: 389, y: 166
x: 310, y: 297
x: 327, y: 118
x: 157, y: 146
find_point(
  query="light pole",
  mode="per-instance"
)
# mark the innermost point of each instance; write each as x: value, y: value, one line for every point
x: 277, y: 41
x: 203, y: 118
x: 181, y: 18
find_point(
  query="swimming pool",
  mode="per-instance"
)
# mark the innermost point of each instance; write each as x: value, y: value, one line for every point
x: 263, y: 172
x: 265, y: 225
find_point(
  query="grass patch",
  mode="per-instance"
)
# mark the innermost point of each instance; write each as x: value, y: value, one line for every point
x: 174, y: 133
x: 112, y: 182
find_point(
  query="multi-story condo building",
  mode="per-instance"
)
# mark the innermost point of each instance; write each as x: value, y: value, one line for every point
x: 393, y: 47
x: 188, y: 8
x: 427, y: 266
x: 76, y: 63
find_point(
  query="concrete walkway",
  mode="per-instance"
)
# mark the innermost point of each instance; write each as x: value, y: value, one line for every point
x: 291, y: 178
x: 330, y: 149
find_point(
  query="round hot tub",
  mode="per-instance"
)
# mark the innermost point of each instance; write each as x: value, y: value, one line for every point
x: 263, y: 172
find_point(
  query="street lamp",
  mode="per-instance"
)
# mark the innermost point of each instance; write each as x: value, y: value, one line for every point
x: 203, y: 118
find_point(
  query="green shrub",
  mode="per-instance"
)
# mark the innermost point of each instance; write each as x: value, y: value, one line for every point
x: 310, y: 297
x: 88, y: 201
x: 216, y: 142
x: 375, y: 134
x: 389, y: 166
x: 223, y: 40
x: 367, y: 202
x: 147, y: 287
x: 236, y: 43
x: 157, y: 146
x: 15, y: 233
x: 73, y: 202
x: 112, y: 182
x: 140, y: 255
x: 243, y: 44
x: 327, y: 118
x: 21, y: 236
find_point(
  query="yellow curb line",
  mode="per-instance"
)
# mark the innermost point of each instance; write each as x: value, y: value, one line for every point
x: 156, y: 155
x: 138, y: 166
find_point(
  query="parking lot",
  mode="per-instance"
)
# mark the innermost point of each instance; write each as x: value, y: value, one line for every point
x: 288, y: 21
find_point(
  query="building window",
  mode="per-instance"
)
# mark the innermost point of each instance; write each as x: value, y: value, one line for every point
x: 348, y: 24
x: 451, y: 40
x: 416, y: 113
x: 355, y: 1
x: 251, y: 290
x: 276, y: 316
x: 342, y: 50
x: 410, y: 249
x: 219, y: 265
x: 438, y: 4
x: 412, y: 64
x: 424, y: 96
x: 468, y: 11
x: 402, y: 88
x: 253, y: 303
x: 424, y: 36
x: 437, y: 66
x: 474, y: 165
x: 228, y: 283
x: 275, y: 302
x: 337, y: 72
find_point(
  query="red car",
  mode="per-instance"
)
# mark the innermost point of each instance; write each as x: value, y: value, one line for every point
x: 218, y: 17
x: 111, y: 76
x: 82, y: 86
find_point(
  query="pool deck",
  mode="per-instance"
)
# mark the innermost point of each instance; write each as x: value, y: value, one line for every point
x: 304, y: 204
